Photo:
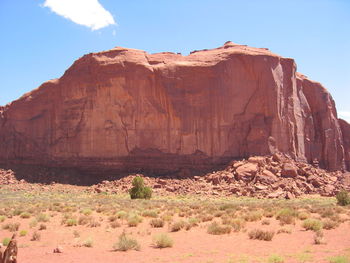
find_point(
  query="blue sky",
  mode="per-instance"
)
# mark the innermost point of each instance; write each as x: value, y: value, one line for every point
x: 40, y: 39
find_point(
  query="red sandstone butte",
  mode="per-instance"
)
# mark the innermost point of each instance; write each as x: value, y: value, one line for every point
x: 124, y: 109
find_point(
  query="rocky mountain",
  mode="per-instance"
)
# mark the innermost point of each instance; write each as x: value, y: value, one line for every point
x: 127, y: 110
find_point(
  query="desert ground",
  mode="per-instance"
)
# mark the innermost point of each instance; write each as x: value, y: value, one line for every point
x: 105, y: 227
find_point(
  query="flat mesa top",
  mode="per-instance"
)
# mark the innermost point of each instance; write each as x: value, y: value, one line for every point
x: 200, y: 56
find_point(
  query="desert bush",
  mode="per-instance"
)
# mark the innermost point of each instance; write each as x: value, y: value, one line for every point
x: 84, y: 220
x: 261, y: 234
x: 274, y: 258
x: 330, y: 224
x: 33, y: 223
x: 6, y: 241
x: 86, y: 211
x: 238, y: 224
x: 193, y: 221
x: 286, y: 216
x: 339, y: 259
x: 177, y: 226
x: 312, y: 224
x: 42, y: 218
x: 343, y: 198
x: 150, y: 213
x: 94, y: 223
x: 318, y: 238
x: 284, y: 230
x: 253, y: 216
x: 139, y: 191
x: 115, y: 224
x: 71, y: 222
x: 162, y: 240
x: 303, y: 215
x: 122, y: 215
x: 206, y: 218
x: 126, y: 243
x: 25, y: 215
x: 12, y: 227
x: 134, y: 220
x: 2, y: 218
x: 156, y: 222
x: 88, y: 242
x: 265, y: 222
x: 23, y: 233
x: 217, y: 229
x: 36, y: 236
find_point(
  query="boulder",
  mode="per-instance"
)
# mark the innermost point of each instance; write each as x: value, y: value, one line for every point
x: 266, y: 177
x: 246, y: 172
x: 289, y: 170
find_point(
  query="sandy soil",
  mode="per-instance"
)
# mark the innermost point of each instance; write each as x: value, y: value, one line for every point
x: 195, y: 245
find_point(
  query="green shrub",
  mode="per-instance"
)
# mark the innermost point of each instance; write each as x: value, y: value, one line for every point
x: 343, y: 198
x: 261, y: 234
x: 126, y: 243
x: 162, y: 240
x: 2, y: 218
x: 312, y: 224
x: 6, y: 241
x: 339, y: 259
x: 23, y: 233
x: 274, y: 258
x: 217, y: 229
x: 139, y: 191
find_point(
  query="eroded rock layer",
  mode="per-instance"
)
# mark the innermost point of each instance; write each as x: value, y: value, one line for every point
x: 127, y: 110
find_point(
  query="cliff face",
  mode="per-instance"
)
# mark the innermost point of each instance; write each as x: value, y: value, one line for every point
x: 128, y: 110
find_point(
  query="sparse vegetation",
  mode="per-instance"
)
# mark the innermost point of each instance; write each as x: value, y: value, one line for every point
x: 162, y: 240
x: 343, y: 198
x: 126, y: 243
x: 157, y: 222
x: 36, y: 236
x: 23, y: 233
x: 261, y: 234
x: 217, y: 229
x: 312, y: 224
x: 6, y: 241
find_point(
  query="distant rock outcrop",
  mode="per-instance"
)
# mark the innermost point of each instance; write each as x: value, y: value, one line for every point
x: 127, y: 110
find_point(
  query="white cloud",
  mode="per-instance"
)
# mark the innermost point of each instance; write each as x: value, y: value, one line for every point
x: 88, y: 13
x: 344, y: 115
